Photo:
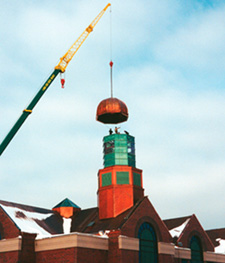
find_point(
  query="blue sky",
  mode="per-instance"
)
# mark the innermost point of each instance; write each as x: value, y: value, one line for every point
x: 169, y: 62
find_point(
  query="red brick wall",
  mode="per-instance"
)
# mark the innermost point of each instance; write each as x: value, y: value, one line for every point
x: 105, y: 202
x: 9, y: 228
x: 114, y: 200
x: 117, y: 198
x: 123, y: 198
x: 91, y: 255
x: 72, y: 255
x: 145, y: 212
x: 194, y: 228
x: 138, y: 193
x: 67, y: 255
x: 129, y: 256
x: 9, y: 257
x: 165, y: 259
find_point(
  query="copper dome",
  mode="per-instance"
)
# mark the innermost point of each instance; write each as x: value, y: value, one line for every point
x: 112, y: 110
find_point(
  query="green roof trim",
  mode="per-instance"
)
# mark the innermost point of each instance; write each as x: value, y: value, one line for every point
x: 66, y: 203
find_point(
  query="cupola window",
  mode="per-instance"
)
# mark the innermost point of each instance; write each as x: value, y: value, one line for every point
x: 106, y: 179
x: 122, y: 177
x: 137, y: 179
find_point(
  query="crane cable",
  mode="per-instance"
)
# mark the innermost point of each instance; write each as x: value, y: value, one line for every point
x: 111, y: 63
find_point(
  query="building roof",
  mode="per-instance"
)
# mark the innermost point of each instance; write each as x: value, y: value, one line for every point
x: 87, y: 221
x: 66, y: 203
x: 218, y: 239
x: 30, y: 219
x: 180, y: 229
x: 45, y: 222
x: 177, y: 225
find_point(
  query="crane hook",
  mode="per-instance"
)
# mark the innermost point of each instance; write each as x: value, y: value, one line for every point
x: 62, y: 79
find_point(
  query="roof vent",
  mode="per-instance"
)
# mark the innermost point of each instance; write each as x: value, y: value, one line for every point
x: 66, y: 208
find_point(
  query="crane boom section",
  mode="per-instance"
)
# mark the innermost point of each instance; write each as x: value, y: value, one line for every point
x: 64, y: 61
x: 59, y: 68
x: 26, y: 112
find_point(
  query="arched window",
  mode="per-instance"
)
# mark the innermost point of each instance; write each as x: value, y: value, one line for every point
x: 196, y: 250
x: 148, y: 244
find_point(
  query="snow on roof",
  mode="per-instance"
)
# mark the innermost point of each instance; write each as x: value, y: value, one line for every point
x: 221, y: 247
x: 27, y: 221
x: 66, y: 225
x: 104, y: 233
x: 175, y: 232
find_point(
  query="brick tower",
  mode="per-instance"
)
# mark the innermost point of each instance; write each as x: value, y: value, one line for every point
x: 119, y: 182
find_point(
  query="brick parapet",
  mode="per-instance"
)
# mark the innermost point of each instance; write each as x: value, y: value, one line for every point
x: 28, y: 248
x: 114, y: 249
x: 72, y: 240
x: 11, y: 244
x: 114, y: 253
x: 213, y: 257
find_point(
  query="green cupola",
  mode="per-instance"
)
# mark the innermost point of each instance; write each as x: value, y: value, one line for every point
x: 119, y: 149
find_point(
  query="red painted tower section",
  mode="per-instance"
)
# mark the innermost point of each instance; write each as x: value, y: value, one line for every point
x: 120, y: 182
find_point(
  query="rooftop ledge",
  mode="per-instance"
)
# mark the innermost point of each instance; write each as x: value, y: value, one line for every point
x: 70, y: 241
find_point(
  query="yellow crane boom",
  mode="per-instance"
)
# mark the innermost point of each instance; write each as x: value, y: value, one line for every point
x: 64, y: 61
x: 60, y: 68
